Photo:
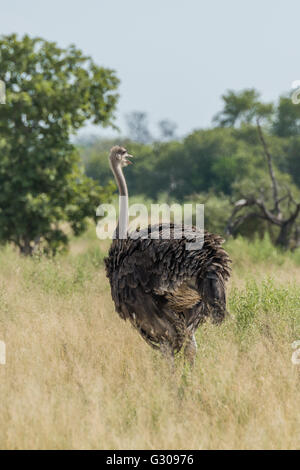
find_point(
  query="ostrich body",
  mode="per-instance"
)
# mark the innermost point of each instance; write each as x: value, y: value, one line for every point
x: 165, y: 290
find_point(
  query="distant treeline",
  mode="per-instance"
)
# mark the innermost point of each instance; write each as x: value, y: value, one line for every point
x: 220, y: 166
x: 225, y: 159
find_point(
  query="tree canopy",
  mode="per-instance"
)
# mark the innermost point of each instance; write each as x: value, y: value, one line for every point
x: 50, y: 93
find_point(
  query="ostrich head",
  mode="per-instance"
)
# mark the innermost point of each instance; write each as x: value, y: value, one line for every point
x: 119, y: 157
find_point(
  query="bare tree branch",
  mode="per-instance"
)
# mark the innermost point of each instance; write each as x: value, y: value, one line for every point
x: 270, y: 166
x: 275, y: 216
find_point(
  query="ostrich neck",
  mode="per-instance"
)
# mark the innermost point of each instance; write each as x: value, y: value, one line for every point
x: 122, y: 226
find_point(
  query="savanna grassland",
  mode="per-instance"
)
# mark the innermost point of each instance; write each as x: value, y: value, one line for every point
x: 78, y: 377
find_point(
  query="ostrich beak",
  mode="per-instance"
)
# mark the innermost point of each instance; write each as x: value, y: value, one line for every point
x: 126, y: 159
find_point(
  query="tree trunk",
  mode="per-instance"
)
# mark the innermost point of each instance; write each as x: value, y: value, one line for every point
x: 284, y: 237
x: 25, y: 247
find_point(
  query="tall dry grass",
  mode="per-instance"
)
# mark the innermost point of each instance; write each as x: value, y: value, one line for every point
x: 77, y: 377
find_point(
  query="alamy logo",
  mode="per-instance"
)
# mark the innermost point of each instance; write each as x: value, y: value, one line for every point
x: 296, y: 354
x: 296, y: 92
x: 2, y: 92
x: 2, y: 353
x: 181, y: 216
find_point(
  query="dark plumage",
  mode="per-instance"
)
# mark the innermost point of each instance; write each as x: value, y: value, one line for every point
x: 165, y: 290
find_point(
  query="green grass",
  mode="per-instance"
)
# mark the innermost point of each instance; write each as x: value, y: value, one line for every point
x: 77, y: 376
x: 260, y: 251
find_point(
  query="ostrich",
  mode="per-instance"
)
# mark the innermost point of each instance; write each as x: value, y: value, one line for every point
x: 162, y: 288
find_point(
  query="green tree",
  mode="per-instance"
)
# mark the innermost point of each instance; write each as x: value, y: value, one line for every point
x: 50, y: 93
x: 206, y: 159
x: 242, y: 107
x: 287, y: 118
x: 293, y: 159
x: 277, y: 207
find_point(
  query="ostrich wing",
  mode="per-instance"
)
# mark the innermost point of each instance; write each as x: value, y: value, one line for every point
x: 154, y: 280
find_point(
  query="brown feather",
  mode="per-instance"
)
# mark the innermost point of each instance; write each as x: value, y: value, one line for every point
x: 165, y: 290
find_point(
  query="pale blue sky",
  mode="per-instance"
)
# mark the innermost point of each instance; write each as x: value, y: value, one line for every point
x: 175, y: 58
